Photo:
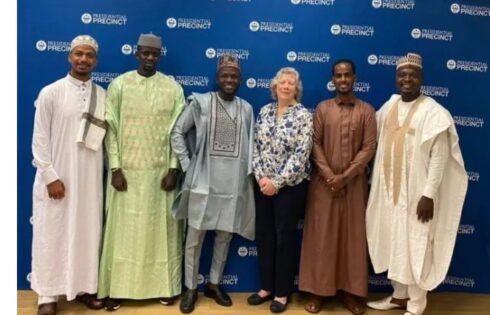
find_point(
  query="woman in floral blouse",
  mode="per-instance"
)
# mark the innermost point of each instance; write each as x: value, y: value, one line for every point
x: 281, y: 165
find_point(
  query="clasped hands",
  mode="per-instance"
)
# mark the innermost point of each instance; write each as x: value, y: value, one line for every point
x: 169, y: 181
x: 336, y: 184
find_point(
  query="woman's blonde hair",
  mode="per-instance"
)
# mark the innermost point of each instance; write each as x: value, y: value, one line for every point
x: 299, y: 84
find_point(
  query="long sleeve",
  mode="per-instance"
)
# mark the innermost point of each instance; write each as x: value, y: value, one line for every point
x: 319, y: 157
x: 113, y: 120
x: 368, y: 147
x: 41, y: 139
x: 177, y: 109
x: 184, y: 123
x: 251, y: 142
x: 256, y: 160
x: 297, y: 161
x: 439, y: 156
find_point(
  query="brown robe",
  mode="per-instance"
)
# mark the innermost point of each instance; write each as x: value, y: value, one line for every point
x: 334, y: 251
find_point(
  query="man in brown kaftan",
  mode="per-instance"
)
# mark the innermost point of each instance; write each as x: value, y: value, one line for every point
x: 334, y: 252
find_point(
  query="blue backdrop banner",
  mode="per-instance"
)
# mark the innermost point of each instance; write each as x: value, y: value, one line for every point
x: 452, y: 36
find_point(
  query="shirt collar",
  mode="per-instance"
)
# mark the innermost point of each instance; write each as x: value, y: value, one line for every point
x: 77, y: 82
x: 351, y: 101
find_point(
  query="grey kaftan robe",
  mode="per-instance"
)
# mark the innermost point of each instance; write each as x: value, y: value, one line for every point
x: 214, y: 145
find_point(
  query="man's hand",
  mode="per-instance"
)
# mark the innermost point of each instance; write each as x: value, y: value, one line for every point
x: 425, y: 209
x: 169, y: 181
x: 119, y: 181
x: 56, y: 189
x: 336, y: 182
x: 267, y: 187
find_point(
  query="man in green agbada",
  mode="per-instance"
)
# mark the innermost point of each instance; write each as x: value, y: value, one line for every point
x: 142, y: 249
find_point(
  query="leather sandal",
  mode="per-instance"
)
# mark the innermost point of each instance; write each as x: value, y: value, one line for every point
x: 47, y: 309
x: 91, y: 301
x: 314, y: 304
x: 354, y: 304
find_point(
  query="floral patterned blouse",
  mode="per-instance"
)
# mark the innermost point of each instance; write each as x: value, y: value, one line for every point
x: 283, y: 146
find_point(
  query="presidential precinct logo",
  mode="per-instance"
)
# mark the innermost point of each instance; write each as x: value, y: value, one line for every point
x: 53, y: 46
x: 455, y: 8
x: 459, y: 282
x: 251, y: 83
x: 171, y: 22
x: 467, y: 65
x: 259, y: 83
x: 271, y: 27
x: 254, y: 26
x: 86, y: 18
x: 379, y: 281
x: 359, y: 87
x: 200, y: 279
x: 192, y: 80
x: 383, y: 60
x: 393, y: 4
x: 31, y: 220
x: 313, y: 2
x: 464, y: 121
x: 104, y: 77
x: 467, y: 9
x: 188, y: 23
x: 439, y: 91
x: 128, y: 49
x: 244, y: 251
x: 29, y: 277
x: 239, y: 53
x: 291, y: 56
x: 210, y: 53
x: 41, y: 45
x: 352, y: 30
x: 104, y: 19
x: 308, y: 56
x: 372, y: 59
x: 431, y: 34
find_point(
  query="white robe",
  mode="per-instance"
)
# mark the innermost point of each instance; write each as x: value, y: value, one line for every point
x: 414, y: 252
x: 67, y: 231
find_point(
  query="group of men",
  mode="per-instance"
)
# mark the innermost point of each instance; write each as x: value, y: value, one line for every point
x: 172, y: 162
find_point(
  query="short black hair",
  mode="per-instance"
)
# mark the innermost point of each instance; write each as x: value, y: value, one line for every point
x: 352, y: 65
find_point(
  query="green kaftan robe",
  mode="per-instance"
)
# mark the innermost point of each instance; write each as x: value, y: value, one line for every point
x: 142, y: 249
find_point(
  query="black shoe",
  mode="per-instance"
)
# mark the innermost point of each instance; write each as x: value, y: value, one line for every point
x: 112, y: 305
x: 278, y: 307
x: 188, y: 301
x: 167, y: 301
x: 256, y: 299
x: 218, y: 295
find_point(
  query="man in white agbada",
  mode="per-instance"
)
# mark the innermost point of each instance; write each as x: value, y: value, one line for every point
x: 418, y: 189
x: 67, y: 194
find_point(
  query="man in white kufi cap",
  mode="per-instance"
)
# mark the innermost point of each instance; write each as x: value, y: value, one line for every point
x: 67, y: 196
x: 418, y: 188
x: 142, y: 248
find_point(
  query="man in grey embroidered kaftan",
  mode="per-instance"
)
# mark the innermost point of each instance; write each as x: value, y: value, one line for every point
x: 213, y: 139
